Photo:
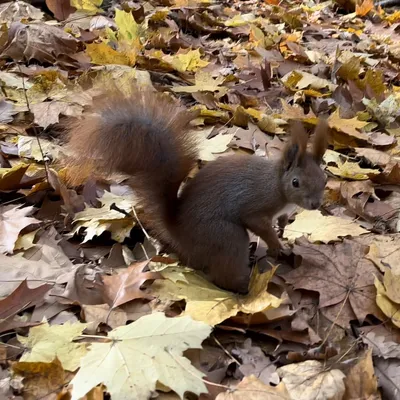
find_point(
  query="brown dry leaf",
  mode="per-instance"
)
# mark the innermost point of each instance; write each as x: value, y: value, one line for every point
x: 252, y: 388
x: 361, y: 382
x: 381, y: 345
x: 60, y: 8
x: 21, y: 298
x: 125, y: 286
x: 13, y: 219
x: 7, y: 111
x: 343, y: 277
x: 41, y: 378
x: 388, y: 373
x: 384, y: 251
x: 390, y: 175
x: 98, y: 314
x: 48, y: 113
x: 44, y: 43
x: 376, y: 157
x: 311, y: 380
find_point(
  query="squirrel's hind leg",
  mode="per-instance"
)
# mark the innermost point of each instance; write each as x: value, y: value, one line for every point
x: 224, y: 258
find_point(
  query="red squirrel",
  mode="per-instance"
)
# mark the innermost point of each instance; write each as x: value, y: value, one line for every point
x: 148, y: 137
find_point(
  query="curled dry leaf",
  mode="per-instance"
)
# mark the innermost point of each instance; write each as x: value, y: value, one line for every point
x: 13, y: 220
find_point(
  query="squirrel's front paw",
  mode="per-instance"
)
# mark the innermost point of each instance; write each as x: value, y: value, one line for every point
x: 274, y: 252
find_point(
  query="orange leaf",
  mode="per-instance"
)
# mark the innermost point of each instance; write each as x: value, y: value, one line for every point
x: 364, y: 8
x: 273, y: 2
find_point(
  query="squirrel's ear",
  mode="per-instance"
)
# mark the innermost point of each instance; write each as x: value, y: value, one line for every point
x: 296, y: 148
x: 320, y: 140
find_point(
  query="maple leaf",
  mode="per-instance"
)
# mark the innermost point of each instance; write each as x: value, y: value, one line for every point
x: 206, y: 302
x: 340, y: 273
x: 152, y: 350
x: 318, y: 228
x: 349, y: 126
x: 12, y: 221
x: 46, y: 342
x: 125, y: 286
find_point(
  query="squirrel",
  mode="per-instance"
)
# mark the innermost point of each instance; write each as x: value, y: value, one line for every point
x: 205, y: 223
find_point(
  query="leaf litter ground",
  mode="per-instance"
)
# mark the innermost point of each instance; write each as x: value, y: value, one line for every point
x: 90, y: 307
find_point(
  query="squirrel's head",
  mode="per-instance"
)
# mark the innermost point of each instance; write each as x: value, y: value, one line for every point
x: 303, y: 180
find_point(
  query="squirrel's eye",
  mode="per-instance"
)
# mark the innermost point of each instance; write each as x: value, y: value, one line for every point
x: 295, y: 183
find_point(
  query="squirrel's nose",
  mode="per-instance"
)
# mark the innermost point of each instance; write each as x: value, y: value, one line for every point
x: 315, y: 205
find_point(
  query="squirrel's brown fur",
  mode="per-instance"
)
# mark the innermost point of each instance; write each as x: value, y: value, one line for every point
x: 147, y: 136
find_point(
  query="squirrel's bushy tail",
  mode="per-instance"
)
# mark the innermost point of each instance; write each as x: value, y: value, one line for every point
x: 144, y: 135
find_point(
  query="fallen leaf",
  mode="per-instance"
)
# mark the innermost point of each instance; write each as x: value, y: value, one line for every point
x: 41, y: 378
x: 311, y: 380
x: 60, y: 8
x: 348, y: 126
x: 46, y: 342
x: 341, y: 275
x: 252, y: 388
x: 208, y: 148
x: 352, y: 170
x: 388, y: 373
x: 125, y: 285
x: 94, y: 315
x: 388, y: 307
x: 90, y: 6
x: 364, y: 8
x: 152, y: 347
x: 360, y: 381
x: 13, y: 220
x: 21, y: 298
x: 205, y: 302
x: 318, y: 228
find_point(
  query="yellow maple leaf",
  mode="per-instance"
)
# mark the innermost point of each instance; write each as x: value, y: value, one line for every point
x: 101, y: 54
x: 46, y: 342
x: 206, y: 302
x: 318, y: 228
x: 352, y: 170
x: 349, y: 126
x: 388, y: 307
x: 186, y: 61
x: 90, y: 6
